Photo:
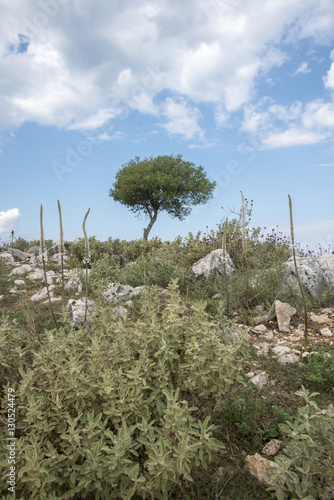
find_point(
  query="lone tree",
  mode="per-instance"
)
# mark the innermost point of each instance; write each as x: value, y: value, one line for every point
x: 161, y: 183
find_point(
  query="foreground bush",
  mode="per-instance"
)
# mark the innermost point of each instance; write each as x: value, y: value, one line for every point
x: 122, y: 412
x: 306, y: 470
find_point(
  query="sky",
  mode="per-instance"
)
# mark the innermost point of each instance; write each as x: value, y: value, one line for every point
x: 241, y: 87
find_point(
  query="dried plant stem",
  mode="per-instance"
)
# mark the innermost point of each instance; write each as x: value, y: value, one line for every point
x: 62, y: 251
x: 87, y: 261
x: 43, y: 254
x: 297, y: 273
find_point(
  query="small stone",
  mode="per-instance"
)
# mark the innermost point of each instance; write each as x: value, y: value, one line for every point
x: 269, y: 336
x: 259, y: 329
x: 19, y: 283
x: 284, y: 313
x: 259, y: 308
x: 319, y: 319
x: 290, y: 359
x: 255, y: 464
x: 326, y: 332
x: 263, y: 348
x: 260, y: 379
x: 249, y: 374
x: 305, y: 354
x: 272, y: 447
x: 280, y: 350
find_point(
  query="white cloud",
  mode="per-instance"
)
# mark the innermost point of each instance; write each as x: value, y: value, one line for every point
x: 181, y: 118
x: 84, y: 63
x: 9, y: 220
x: 303, y: 68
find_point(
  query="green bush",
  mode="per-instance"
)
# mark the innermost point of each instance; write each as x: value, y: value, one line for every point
x: 123, y: 411
x: 320, y: 371
x: 306, y: 470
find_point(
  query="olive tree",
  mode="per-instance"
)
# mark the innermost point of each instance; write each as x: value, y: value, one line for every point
x: 161, y: 183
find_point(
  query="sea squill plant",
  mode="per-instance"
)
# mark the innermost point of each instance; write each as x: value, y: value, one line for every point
x: 225, y: 273
x: 86, y: 259
x: 44, y: 257
x: 297, y: 273
x: 12, y: 242
x: 62, y: 252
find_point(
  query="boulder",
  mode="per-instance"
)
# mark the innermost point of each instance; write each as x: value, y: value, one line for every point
x: 316, y: 274
x: 16, y: 253
x: 212, y: 264
x: 6, y: 260
x: 117, y: 292
x: 284, y: 313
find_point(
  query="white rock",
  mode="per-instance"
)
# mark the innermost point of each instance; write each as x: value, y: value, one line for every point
x: 259, y: 329
x: 25, y: 268
x: 260, y: 379
x: 281, y: 349
x: 42, y: 294
x: 289, y: 358
x: 6, y: 260
x: 20, y: 283
x: 326, y: 332
x: 284, y: 313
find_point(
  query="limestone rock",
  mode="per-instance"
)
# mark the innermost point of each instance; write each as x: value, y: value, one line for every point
x: 117, y: 292
x: 6, y: 260
x: 76, y: 311
x: 319, y: 319
x: 281, y: 349
x: 18, y: 271
x: 288, y: 359
x: 55, y: 248
x: 316, y: 274
x: 259, y: 329
x: 34, y: 250
x: 20, y: 283
x: 74, y: 285
x: 326, y: 332
x: 272, y: 447
x: 56, y: 258
x: 260, y: 379
x: 255, y: 464
x: 213, y: 263
x: 42, y: 294
x: 284, y: 313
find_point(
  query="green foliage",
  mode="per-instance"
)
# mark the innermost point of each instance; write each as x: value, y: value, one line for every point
x: 306, y: 469
x: 319, y: 371
x: 162, y: 183
x: 125, y: 410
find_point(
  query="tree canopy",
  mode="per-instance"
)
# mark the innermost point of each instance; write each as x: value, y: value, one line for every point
x: 161, y: 183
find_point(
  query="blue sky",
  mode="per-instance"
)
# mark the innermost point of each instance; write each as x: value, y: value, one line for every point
x: 243, y: 88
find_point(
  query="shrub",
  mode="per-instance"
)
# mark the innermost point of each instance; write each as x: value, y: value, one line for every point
x: 320, y: 371
x: 111, y: 414
x: 306, y: 470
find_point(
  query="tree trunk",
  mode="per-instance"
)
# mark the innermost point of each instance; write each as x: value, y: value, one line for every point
x: 149, y: 227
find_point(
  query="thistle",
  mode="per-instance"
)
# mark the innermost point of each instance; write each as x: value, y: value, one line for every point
x: 87, y: 260
x: 44, y: 257
x: 243, y: 222
x: 297, y: 273
x: 12, y: 245
x: 62, y: 252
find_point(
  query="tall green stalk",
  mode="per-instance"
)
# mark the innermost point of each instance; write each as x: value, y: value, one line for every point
x: 44, y: 259
x: 62, y: 252
x: 297, y: 273
x: 87, y: 259
x: 12, y: 244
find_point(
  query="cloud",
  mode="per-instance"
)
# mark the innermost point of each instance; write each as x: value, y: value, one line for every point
x: 9, y: 220
x: 182, y: 118
x: 303, y: 69
x: 296, y: 124
x: 85, y: 64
